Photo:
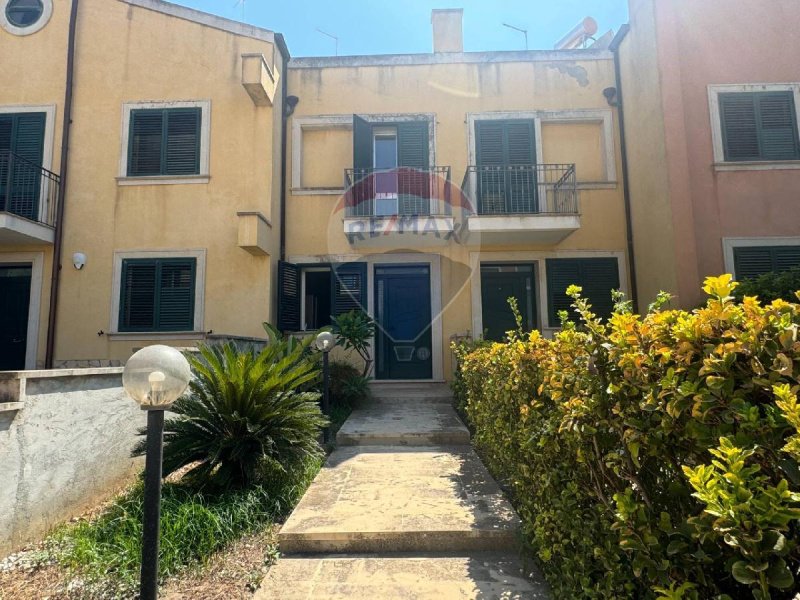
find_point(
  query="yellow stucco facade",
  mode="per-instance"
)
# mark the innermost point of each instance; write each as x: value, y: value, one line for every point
x: 226, y: 217
x: 125, y: 59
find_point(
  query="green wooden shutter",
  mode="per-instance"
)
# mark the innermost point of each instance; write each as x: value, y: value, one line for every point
x: 778, y: 126
x: 164, y: 142
x: 138, y: 296
x: 6, y: 125
x: 414, y: 179
x: 182, y: 155
x: 597, y: 276
x: 289, y: 297
x: 176, y: 292
x: 759, y: 126
x: 144, y: 143
x: 362, y: 144
x: 158, y: 294
x: 412, y: 144
x: 739, y: 126
x: 561, y: 273
x: 28, y: 134
x: 489, y: 143
x: 519, y: 142
x: 348, y: 288
x: 750, y: 262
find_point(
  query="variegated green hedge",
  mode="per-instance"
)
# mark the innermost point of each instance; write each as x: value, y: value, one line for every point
x: 651, y: 457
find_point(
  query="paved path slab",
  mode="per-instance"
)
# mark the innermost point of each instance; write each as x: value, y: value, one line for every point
x: 478, y: 576
x: 371, y: 499
x: 415, y: 422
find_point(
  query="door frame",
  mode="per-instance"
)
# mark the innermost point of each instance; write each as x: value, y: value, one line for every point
x: 36, y: 262
x: 434, y: 263
x: 420, y: 265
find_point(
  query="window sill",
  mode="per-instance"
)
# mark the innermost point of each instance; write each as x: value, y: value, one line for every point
x: 142, y: 336
x: 775, y: 165
x: 318, y: 191
x: 164, y: 180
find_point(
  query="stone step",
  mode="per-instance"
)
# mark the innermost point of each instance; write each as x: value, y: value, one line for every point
x: 398, y: 499
x: 413, y: 422
x: 421, y: 577
x: 395, y: 390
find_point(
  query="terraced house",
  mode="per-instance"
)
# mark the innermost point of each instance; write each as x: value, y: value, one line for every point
x: 208, y: 182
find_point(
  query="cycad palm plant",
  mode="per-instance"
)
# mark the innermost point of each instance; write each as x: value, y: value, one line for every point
x: 246, y: 415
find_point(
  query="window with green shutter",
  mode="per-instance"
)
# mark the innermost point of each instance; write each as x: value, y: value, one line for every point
x: 157, y: 294
x: 164, y: 141
x: 759, y: 126
x: 752, y: 261
x: 597, y: 276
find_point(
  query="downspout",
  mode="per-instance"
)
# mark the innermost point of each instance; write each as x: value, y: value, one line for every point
x: 617, y: 100
x: 287, y: 108
x: 59, y: 232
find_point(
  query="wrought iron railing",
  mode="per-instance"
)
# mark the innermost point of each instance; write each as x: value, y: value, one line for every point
x: 521, y: 189
x: 397, y: 192
x: 27, y: 189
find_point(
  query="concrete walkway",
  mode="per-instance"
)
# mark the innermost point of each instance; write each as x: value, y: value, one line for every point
x: 403, y: 509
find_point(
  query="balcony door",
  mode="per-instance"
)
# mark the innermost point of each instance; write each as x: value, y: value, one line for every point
x: 21, y: 152
x: 506, y: 158
x: 391, y: 168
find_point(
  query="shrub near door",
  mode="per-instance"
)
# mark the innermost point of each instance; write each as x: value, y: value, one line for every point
x: 651, y: 457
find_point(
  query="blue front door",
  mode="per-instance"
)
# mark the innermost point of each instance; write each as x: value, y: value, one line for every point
x: 403, y: 314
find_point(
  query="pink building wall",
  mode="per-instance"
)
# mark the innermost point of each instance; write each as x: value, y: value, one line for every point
x: 701, y: 43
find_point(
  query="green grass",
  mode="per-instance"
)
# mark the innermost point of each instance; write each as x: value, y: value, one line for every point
x: 105, y: 554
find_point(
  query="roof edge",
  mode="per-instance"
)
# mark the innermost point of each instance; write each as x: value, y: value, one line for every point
x: 500, y: 56
x: 204, y: 18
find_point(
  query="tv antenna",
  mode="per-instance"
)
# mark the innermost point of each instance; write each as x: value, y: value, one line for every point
x: 330, y: 35
x: 522, y: 31
x: 240, y: 3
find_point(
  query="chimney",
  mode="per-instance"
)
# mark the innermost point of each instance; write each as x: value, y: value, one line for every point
x: 447, y: 33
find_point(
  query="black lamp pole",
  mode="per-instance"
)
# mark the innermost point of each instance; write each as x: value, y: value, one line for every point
x: 326, y: 408
x: 148, y: 589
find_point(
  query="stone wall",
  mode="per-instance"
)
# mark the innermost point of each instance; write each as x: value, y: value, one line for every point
x: 65, y: 442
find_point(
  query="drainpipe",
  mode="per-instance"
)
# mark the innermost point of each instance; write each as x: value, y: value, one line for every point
x: 288, y: 103
x: 59, y: 224
x: 615, y: 99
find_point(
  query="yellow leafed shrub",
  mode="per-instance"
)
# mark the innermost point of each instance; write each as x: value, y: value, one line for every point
x: 650, y: 457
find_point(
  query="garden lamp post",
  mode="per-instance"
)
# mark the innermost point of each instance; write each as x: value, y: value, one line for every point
x: 325, y: 343
x: 154, y: 377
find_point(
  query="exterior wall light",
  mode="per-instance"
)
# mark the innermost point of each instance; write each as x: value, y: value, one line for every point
x: 325, y: 342
x: 154, y: 377
x: 79, y: 260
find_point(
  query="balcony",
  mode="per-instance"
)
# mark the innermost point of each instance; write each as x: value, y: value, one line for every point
x: 28, y: 198
x: 521, y: 203
x: 398, y: 206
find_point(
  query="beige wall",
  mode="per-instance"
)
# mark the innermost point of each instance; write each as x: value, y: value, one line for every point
x: 450, y: 92
x: 129, y: 54
x: 677, y: 49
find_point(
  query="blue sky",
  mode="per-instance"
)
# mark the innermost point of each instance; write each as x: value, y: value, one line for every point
x: 380, y: 27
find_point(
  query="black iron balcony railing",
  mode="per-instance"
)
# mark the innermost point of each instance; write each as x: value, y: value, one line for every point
x: 521, y: 189
x: 27, y: 189
x: 397, y: 192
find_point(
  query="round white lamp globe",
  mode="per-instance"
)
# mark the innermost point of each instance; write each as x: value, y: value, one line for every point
x: 325, y: 341
x: 156, y: 376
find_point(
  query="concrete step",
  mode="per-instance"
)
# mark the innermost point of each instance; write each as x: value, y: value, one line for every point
x: 399, y: 391
x: 412, y: 422
x: 423, y: 577
x: 398, y: 499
